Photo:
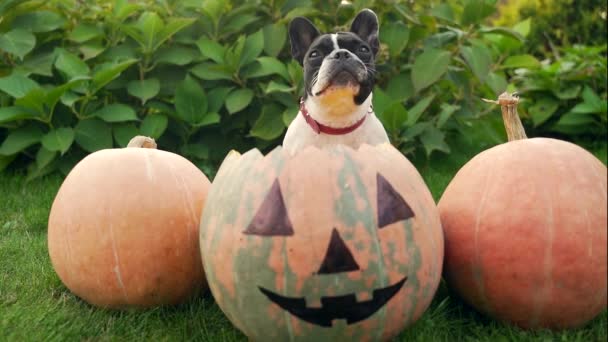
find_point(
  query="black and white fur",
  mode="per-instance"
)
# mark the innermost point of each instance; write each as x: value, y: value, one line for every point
x: 342, y: 63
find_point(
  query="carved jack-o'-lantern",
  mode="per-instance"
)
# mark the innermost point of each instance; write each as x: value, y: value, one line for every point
x: 321, y: 245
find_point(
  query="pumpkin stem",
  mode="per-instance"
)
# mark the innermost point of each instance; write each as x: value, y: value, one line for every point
x: 142, y: 142
x: 510, y: 117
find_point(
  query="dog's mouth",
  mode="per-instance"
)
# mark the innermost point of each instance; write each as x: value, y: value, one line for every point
x: 343, y: 79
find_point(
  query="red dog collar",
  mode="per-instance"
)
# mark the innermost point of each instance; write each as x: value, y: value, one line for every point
x: 320, y: 128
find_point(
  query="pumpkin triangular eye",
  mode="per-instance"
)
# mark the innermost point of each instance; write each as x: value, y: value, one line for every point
x: 391, y: 206
x: 271, y: 218
x: 338, y: 257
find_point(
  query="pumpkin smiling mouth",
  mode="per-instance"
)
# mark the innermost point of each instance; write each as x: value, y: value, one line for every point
x: 338, y: 307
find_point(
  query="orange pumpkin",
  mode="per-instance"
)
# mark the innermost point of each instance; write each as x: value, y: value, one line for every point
x: 328, y: 244
x: 525, y: 229
x: 124, y: 225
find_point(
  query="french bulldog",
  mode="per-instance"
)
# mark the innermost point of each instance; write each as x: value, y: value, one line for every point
x: 338, y: 79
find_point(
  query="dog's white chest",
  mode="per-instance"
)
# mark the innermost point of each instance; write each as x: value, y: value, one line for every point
x: 300, y: 134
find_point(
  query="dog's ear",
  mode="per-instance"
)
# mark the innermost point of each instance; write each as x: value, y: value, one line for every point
x: 365, y: 26
x: 301, y: 34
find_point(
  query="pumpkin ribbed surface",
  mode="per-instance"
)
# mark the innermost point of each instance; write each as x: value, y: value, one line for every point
x: 525, y: 228
x: 323, y: 245
x: 123, y: 228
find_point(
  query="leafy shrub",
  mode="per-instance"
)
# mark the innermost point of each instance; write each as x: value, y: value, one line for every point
x: 565, y: 97
x: 204, y: 77
x: 557, y: 23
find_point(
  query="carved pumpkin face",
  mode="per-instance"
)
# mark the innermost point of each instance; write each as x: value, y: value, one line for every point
x: 322, y: 244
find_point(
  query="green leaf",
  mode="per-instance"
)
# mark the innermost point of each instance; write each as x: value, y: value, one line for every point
x: 85, y: 32
x: 11, y: 114
x: 54, y: 94
x: 542, y: 110
x: 71, y: 65
x: 39, y: 21
x: 429, y: 67
x: 476, y: 10
x: 382, y: 101
x: 274, y: 38
x: 172, y: 26
x: 216, y: 98
x: 34, y: 100
x: 400, y: 87
x: 147, y: 29
x: 573, y: 123
x: 209, y: 119
x: 446, y: 112
x: 40, y: 64
x: 190, y: 101
x: 276, y: 87
x: 507, y: 32
x: 592, y: 101
x: 69, y: 98
x: 433, y: 139
x: 268, y: 125
x: 20, y: 139
x: 93, y: 135
x: 123, y: 9
x: 254, y: 44
x: 211, y: 49
x: 479, y: 59
x: 443, y: 11
x: 154, y: 125
x: 44, y: 157
x: 521, y: 61
x: 175, y: 55
x: 396, y: 36
x: 107, y: 72
x: 17, y: 85
x: 415, y: 112
x: 211, y: 72
x: 195, y: 150
x: 124, y: 132
x: 238, y: 100
x: 393, y: 117
x: 266, y: 66
x: 523, y: 27
x: 58, y: 140
x: 568, y: 93
x: 412, y: 132
x: 91, y: 49
x: 17, y: 42
x: 238, y: 23
x: 289, y: 114
x: 144, y: 89
x: 116, y: 112
x: 497, y: 82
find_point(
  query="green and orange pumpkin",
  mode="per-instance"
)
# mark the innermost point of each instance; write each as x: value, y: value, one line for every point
x: 123, y: 228
x: 525, y: 227
x: 323, y: 245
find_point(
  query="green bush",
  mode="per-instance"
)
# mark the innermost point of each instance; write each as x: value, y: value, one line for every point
x: 204, y: 77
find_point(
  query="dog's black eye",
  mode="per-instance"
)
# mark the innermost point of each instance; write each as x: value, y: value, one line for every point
x: 363, y: 48
x: 314, y: 54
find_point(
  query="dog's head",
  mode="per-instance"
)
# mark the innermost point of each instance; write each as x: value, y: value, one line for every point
x: 337, y: 65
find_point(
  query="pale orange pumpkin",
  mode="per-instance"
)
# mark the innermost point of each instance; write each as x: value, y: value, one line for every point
x: 525, y: 230
x: 123, y: 229
x: 328, y: 244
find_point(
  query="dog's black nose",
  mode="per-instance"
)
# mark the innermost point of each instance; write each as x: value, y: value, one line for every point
x: 342, y: 55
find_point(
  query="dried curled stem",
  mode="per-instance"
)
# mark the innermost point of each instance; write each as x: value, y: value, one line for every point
x: 510, y: 117
x: 142, y: 142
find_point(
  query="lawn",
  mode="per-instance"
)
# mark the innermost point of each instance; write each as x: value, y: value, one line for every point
x: 34, y: 304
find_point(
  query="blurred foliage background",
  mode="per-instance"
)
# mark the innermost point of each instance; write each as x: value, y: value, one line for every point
x: 204, y: 77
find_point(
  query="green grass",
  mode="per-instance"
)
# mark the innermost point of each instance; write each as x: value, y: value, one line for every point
x: 35, y: 306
